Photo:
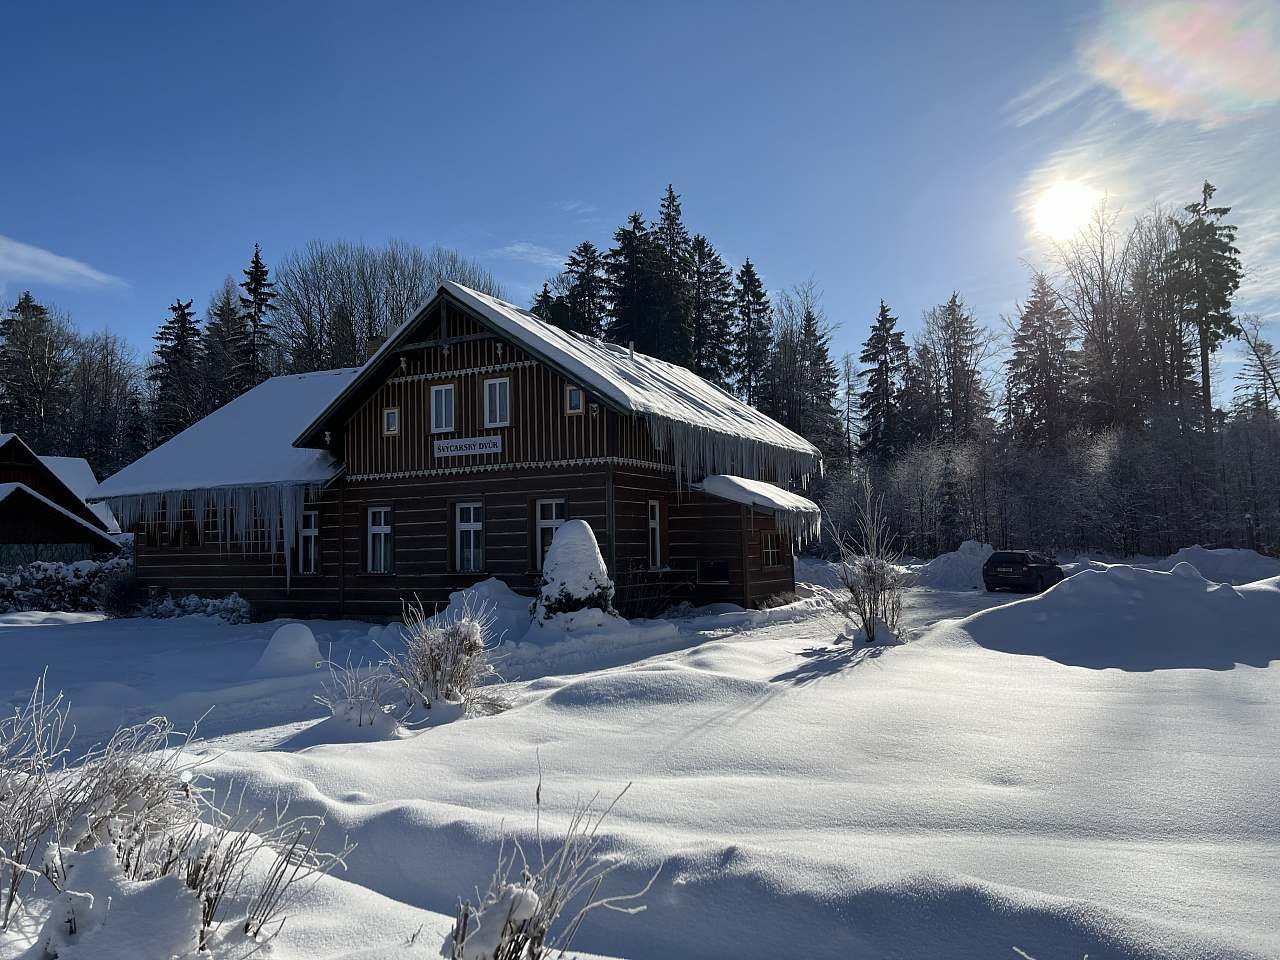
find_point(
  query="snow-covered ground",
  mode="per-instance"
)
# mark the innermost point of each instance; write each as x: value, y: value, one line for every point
x: 1088, y: 771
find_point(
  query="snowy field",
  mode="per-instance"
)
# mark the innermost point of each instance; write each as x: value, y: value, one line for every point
x: 1090, y: 771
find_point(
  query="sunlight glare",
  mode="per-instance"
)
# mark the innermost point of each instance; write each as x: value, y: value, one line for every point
x: 1063, y: 209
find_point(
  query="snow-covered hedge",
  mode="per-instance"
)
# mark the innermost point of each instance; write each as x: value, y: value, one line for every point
x: 232, y: 608
x: 43, y: 585
x: 574, y: 576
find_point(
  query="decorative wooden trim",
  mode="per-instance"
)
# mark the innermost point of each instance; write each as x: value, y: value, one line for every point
x: 465, y: 372
x: 528, y: 465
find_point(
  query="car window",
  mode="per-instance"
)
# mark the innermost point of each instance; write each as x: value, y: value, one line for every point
x: 1008, y: 556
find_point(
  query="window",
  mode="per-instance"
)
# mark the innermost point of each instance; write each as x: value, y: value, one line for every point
x: 442, y: 408
x: 497, y: 402
x: 655, y: 535
x: 771, y: 549
x: 573, y: 399
x: 469, y: 538
x: 309, y: 542
x: 550, y: 516
x: 713, y: 571
x: 390, y: 421
x: 379, y: 543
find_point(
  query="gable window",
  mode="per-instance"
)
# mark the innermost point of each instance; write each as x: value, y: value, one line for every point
x: 442, y: 408
x: 469, y: 537
x: 309, y: 542
x: 655, y: 535
x: 497, y: 402
x: 770, y: 549
x: 379, y: 540
x: 573, y: 399
x: 550, y: 517
x: 390, y: 421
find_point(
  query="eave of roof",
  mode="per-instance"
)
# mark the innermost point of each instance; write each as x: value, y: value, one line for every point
x: 93, y: 534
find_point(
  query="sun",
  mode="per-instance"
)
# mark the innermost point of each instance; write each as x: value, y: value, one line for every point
x: 1063, y: 209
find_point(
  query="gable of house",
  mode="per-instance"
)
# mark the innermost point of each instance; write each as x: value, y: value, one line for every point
x: 19, y: 464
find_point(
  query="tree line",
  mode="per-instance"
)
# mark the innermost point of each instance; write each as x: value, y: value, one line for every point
x: 93, y: 396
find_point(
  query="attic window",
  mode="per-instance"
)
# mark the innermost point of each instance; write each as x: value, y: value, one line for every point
x: 391, y: 421
x: 573, y: 399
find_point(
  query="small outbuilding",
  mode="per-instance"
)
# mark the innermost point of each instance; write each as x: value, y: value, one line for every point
x: 38, y: 509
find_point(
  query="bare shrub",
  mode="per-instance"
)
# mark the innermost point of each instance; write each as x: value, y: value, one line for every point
x: 445, y: 660
x: 517, y: 918
x: 869, y: 570
x: 356, y: 693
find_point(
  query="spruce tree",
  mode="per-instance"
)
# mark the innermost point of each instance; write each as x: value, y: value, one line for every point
x: 175, y: 373
x: 884, y: 358
x: 257, y: 304
x: 958, y: 345
x: 1043, y: 385
x: 819, y: 419
x: 753, y: 323
x: 224, y: 334
x: 675, y: 336
x: 586, y: 290
x: 543, y: 304
x: 633, y: 285
x: 35, y: 355
x: 1209, y: 273
x: 711, y: 312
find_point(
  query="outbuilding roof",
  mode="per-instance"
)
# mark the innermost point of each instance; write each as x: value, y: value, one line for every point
x: 31, y: 517
x: 79, y: 478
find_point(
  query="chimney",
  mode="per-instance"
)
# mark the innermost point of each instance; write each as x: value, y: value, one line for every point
x: 631, y: 349
x: 373, y: 344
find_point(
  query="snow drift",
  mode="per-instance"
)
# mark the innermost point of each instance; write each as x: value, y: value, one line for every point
x: 1136, y: 619
x: 1224, y: 564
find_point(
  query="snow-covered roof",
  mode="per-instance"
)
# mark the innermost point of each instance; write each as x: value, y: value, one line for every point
x: 705, y: 425
x: 92, y: 533
x: 248, y: 442
x: 78, y: 476
x: 798, y: 515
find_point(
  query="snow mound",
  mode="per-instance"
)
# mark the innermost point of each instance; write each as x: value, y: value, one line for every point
x: 1224, y: 565
x: 574, y: 575
x: 1135, y: 619
x: 511, y: 611
x: 959, y: 570
x: 291, y: 649
x: 350, y: 722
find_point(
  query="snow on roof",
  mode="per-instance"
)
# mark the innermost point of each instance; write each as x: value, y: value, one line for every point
x: 10, y: 489
x: 78, y: 477
x: 634, y: 381
x: 706, y: 427
x: 796, y: 514
x: 248, y: 442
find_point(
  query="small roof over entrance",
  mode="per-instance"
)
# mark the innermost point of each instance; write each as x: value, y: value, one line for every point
x: 797, y: 515
x: 30, y: 517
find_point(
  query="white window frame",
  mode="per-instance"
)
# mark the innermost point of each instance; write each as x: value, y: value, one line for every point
x: 490, y: 420
x: 569, y: 390
x: 438, y: 390
x: 392, y: 430
x: 309, y: 536
x: 553, y: 523
x: 473, y: 530
x: 765, y: 537
x: 380, y: 562
x: 655, y: 535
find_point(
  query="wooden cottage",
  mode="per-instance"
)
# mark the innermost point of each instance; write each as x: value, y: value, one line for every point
x: 453, y: 455
x: 42, y: 505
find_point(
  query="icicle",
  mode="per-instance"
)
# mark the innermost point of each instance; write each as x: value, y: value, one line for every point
x: 697, y: 451
x: 236, y: 510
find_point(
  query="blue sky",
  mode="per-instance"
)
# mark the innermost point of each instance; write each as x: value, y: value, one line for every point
x: 888, y: 150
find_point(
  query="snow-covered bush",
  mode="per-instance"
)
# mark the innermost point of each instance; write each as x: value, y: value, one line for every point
x: 574, y: 576
x: 120, y: 593
x: 232, y: 608
x: 43, y: 585
x: 132, y: 821
x: 292, y: 649
x: 517, y: 918
x: 445, y: 659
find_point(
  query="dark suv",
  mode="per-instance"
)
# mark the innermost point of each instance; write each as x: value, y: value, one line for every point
x: 1020, y: 570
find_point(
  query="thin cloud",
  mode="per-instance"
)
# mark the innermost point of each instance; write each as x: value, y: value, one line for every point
x: 24, y: 263
x: 579, y: 207
x: 526, y: 252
